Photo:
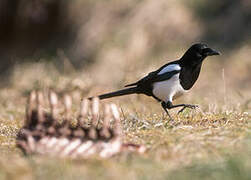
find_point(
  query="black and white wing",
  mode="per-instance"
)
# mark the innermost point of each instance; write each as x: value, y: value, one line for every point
x: 162, y: 74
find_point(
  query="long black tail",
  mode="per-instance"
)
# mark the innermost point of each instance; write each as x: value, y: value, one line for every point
x: 122, y: 92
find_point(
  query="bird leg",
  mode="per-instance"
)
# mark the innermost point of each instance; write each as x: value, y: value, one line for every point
x: 164, y: 106
x: 169, y: 105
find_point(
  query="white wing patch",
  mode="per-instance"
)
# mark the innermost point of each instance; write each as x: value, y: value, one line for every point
x: 169, y: 68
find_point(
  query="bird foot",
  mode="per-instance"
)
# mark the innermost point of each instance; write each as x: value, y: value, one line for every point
x: 191, y: 106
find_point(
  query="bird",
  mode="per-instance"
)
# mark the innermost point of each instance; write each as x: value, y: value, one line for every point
x: 171, y: 80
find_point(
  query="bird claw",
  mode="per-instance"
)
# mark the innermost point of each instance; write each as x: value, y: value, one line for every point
x: 191, y: 106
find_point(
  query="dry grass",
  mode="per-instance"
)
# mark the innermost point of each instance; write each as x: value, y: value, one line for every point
x: 210, y: 143
x: 124, y: 40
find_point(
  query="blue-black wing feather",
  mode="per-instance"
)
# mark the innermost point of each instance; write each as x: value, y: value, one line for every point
x: 153, y: 77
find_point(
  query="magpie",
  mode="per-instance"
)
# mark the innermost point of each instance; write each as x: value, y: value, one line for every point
x: 171, y: 80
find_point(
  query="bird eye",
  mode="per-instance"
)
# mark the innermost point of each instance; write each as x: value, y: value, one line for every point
x: 200, y: 51
x: 199, y: 54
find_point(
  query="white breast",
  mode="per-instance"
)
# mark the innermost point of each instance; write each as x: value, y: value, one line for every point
x: 169, y: 89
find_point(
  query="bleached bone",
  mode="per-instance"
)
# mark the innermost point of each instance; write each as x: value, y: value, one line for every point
x: 115, y: 113
x: 80, y: 151
x: 112, y: 148
x: 93, y: 134
x: 83, y: 112
x: 68, y: 105
x: 53, y: 100
x: 60, y: 145
x: 70, y: 148
x: 31, y: 143
x: 106, y: 123
x: 40, y: 103
x: 43, y: 134
x: 95, y: 111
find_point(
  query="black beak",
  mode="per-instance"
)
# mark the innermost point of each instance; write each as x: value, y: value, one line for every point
x: 210, y: 52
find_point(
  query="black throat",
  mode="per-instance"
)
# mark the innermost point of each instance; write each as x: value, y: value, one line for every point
x: 189, y: 73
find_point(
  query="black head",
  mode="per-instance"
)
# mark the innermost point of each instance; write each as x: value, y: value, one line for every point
x: 197, y: 53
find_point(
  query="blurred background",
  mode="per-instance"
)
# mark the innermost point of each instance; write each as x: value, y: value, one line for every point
x: 88, y: 47
x: 101, y: 45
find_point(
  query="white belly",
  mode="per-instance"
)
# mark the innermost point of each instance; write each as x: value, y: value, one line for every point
x: 169, y: 89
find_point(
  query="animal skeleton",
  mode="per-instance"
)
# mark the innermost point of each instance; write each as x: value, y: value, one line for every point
x: 47, y: 134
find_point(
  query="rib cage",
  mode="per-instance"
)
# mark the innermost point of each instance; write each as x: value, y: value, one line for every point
x: 48, y: 134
